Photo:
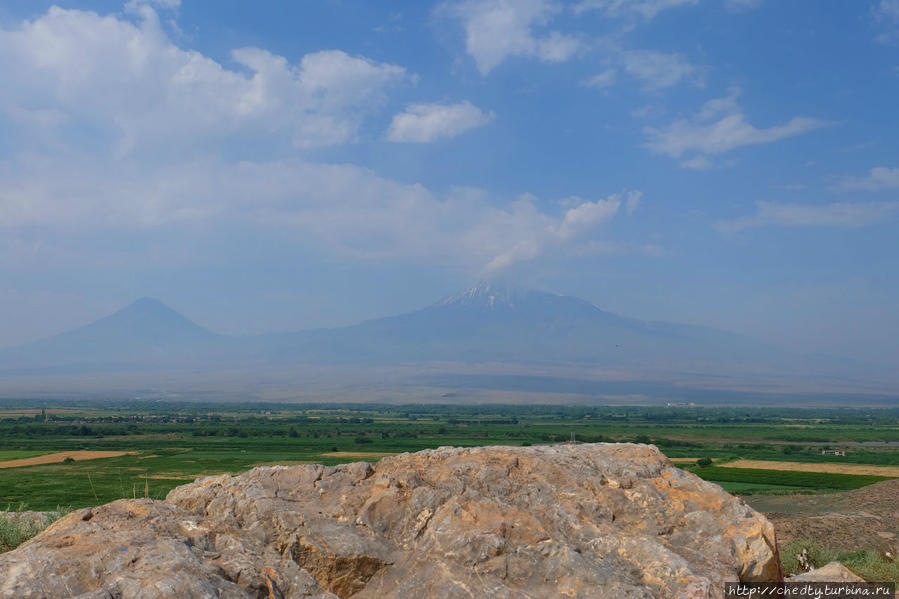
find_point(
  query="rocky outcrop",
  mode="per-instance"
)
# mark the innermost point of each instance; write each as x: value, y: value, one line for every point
x: 832, y: 572
x: 592, y: 520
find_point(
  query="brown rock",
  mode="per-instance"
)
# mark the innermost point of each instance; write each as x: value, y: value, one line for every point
x: 600, y: 520
x: 832, y: 572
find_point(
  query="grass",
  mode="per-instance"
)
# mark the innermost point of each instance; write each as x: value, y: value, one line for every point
x: 175, y: 442
x: 788, y: 478
x: 870, y: 565
x: 15, y: 531
x: 16, y: 454
x: 761, y: 489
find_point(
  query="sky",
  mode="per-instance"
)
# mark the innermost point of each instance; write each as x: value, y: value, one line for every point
x: 275, y: 166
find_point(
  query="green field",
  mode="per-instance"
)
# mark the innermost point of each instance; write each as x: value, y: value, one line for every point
x: 783, y: 478
x: 175, y: 442
x: 15, y: 454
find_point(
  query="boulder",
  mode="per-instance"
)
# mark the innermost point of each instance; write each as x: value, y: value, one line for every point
x: 832, y: 572
x: 588, y: 520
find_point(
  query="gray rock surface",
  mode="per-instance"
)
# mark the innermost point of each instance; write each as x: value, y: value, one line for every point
x: 591, y: 520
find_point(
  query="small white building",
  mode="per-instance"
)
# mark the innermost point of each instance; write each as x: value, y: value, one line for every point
x: 839, y: 452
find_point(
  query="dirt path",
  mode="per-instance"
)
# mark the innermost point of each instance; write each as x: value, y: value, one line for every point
x: 55, y: 458
x: 834, y: 468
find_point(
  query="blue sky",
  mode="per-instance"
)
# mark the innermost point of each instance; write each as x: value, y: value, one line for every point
x: 284, y: 165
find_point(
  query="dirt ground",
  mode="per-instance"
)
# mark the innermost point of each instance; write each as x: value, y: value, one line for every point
x: 833, y: 468
x: 866, y: 518
x: 55, y: 458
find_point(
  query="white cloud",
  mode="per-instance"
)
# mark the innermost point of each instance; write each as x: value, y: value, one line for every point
x: 601, y: 80
x: 498, y: 29
x: 142, y: 89
x: 633, y: 201
x: 548, y: 235
x: 644, y: 8
x: 348, y: 210
x: 422, y: 123
x: 587, y: 215
x: 147, y: 120
x: 841, y: 214
x: 720, y: 126
x: 878, y: 178
x: 658, y: 70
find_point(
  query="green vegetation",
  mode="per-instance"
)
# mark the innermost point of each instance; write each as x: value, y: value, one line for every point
x: 176, y: 442
x: 18, y: 455
x: 786, y: 478
x: 870, y: 565
x: 15, y: 531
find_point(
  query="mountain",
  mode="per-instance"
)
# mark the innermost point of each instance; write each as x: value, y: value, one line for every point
x: 145, y: 334
x: 492, y: 325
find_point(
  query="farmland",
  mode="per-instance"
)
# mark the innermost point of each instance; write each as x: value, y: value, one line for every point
x: 162, y: 445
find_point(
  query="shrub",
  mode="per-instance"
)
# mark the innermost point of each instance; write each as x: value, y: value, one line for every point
x: 15, y: 531
x: 704, y: 462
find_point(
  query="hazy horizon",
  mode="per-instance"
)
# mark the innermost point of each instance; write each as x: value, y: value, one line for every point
x: 287, y: 166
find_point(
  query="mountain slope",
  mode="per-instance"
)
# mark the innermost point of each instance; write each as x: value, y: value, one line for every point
x: 484, y: 324
x: 144, y: 334
x: 500, y: 324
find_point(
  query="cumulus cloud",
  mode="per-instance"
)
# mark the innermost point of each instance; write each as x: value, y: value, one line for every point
x: 720, y: 126
x: 499, y: 29
x: 147, y: 120
x: 349, y: 210
x: 423, y: 123
x: 840, y: 214
x: 577, y: 222
x: 878, y: 178
x: 587, y: 215
x: 131, y: 82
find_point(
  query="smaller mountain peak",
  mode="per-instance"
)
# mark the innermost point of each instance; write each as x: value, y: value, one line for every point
x: 148, y: 309
x: 146, y: 302
x: 148, y: 305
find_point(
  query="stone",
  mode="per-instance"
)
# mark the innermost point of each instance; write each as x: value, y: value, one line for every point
x: 832, y: 572
x: 578, y: 521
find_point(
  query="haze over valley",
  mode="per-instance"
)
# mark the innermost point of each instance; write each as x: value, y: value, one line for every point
x: 489, y: 342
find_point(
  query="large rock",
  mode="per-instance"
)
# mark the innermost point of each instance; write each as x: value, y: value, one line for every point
x: 601, y: 520
x: 832, y: 572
